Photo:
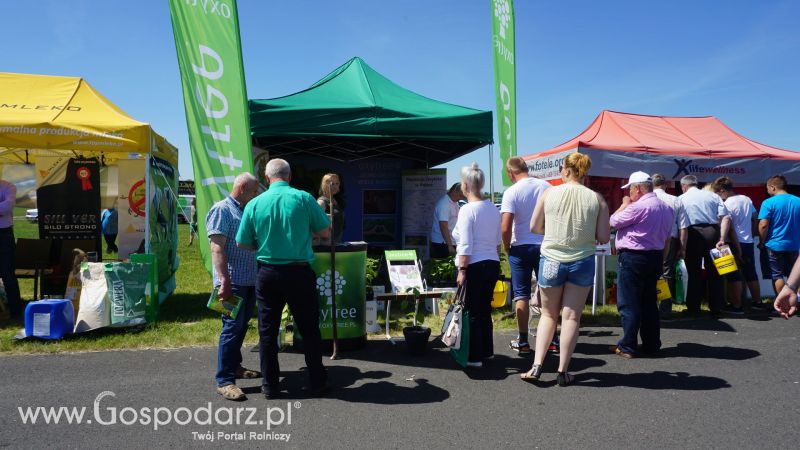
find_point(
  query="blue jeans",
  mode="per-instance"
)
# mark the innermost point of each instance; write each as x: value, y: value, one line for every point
x: 781, y: 263
x: 229, y: 355
x: 522, y: 260
x: 636, y: 299
x: 7, y: 250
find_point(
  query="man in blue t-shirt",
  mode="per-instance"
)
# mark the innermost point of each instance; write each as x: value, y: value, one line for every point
x: 779, y: 229
x: 109, y: 223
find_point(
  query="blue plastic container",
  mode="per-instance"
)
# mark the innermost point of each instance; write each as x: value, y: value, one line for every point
x: 49, y: 319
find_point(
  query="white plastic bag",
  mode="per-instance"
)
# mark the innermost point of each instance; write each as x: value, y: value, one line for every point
x: 94, y: 311
x: 682, y: 277
x: 452, y: 336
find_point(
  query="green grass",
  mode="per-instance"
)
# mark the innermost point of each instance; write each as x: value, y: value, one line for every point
x: 185, y: 321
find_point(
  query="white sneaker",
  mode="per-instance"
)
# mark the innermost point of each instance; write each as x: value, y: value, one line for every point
x: 476, y: 364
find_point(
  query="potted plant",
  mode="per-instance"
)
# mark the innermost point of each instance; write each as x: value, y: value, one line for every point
x: 416, y: 335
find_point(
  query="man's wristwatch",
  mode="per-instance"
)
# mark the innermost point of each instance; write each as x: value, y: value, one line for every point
x: 791, y: 287
x: 462, y: 269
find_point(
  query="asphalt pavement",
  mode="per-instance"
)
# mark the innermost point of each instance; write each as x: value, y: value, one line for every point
x: 730, y: 383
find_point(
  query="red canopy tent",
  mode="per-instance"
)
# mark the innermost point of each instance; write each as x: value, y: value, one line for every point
x: 621, y: 143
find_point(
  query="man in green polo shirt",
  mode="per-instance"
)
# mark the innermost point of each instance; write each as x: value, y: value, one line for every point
x: 279, y: 225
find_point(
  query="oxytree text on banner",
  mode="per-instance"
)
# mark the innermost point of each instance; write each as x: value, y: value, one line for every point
x: 214, y: 95
x: 505, y: 79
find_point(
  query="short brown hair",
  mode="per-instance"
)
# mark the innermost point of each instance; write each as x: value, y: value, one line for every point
x: 658, y: 180
x: 517, y: 165
x: 778, y: 182
x: 723, y: 184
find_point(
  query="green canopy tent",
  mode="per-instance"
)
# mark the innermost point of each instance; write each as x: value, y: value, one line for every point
x: 355, y: 113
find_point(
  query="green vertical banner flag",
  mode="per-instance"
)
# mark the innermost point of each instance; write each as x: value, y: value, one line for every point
x: 505, y: 79
x: 215, y: 99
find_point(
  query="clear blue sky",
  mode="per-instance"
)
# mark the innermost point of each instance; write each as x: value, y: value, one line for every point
x: 737, y: 60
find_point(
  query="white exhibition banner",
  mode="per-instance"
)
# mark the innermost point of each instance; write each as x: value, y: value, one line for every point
x: 131, y: 205
x: 605, y: 163
x: 421, y: 190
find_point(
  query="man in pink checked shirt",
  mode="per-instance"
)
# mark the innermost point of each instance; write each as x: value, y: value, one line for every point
x: 643, y: 223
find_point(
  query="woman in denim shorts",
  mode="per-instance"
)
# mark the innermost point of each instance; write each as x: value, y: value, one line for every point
x: 573, y: 219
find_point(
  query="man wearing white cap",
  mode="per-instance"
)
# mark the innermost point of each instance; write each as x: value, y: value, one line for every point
x: 643, y: 223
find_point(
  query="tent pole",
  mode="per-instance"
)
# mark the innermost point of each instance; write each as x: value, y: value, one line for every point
x: 335, y: 328
x: 491, y: 172
x: 147, y: 193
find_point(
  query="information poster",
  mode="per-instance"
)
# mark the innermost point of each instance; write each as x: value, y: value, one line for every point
x: 421, y: 190
x: 71, y: 209
x: 131, y: 205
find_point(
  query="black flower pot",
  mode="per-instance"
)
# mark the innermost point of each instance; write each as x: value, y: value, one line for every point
x: 417, y: 339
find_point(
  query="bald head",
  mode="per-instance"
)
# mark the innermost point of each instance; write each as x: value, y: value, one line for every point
x: 278, y: 170
x: 242, y: 180
x: 245, y: 188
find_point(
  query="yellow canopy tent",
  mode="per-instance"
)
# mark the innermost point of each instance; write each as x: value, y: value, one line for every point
x: 66, y: 114
x: 52, y: 116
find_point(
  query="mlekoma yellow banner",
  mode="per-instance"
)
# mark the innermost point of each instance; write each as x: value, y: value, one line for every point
x: 215, y: 99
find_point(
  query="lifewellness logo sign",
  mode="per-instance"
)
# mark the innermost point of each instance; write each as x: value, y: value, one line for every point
x: 687, y: 167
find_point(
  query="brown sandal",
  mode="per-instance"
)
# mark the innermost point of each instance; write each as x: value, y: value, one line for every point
x: 247, y: 374
x: 231, y: 392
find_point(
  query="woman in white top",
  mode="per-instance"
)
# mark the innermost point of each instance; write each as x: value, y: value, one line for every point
x: 477, y: 236
x: 573, y: 219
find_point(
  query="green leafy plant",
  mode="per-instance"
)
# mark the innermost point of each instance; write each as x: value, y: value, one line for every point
x: 442, y: 271
x: 372, y: 270
x: 373, y: 265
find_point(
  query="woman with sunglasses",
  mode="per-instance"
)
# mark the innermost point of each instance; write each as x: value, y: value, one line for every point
x: 573, y: 218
